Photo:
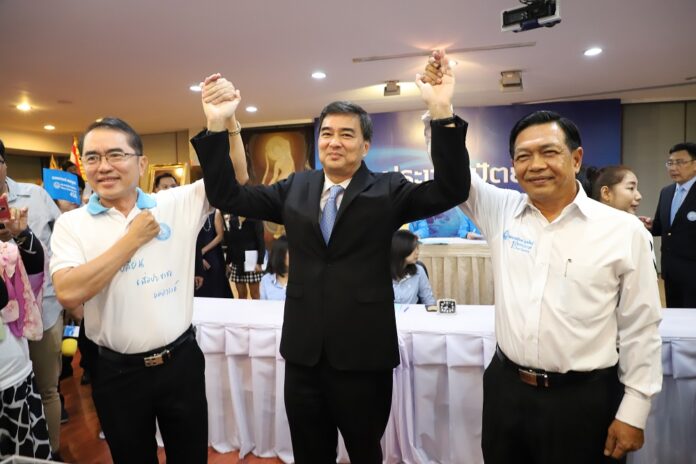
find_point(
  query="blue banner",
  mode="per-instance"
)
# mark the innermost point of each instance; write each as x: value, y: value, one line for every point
x: 61, y: 185
x: 398, y: 144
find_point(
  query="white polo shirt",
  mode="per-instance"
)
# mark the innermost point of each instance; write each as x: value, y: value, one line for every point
x: 565, y: 291
x: 149, y: 302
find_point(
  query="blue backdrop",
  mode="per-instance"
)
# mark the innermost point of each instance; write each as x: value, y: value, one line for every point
x: 398, y: 144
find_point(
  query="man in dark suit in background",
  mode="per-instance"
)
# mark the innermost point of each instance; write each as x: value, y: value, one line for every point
x: 339, y: 335
x: 675, y: 221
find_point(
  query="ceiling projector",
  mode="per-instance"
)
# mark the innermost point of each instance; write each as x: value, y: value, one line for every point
x: 534, y: 14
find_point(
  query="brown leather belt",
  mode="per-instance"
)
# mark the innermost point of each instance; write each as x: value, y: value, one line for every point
x: 543, y: 379
x: 150, y: 358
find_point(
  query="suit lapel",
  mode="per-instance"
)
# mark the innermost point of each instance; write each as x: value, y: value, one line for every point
x: 686, y: 205
x: 316, y: 183
x: 360, y: 181
x: 666, y: 206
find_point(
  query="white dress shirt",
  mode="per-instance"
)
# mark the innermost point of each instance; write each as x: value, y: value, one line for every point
x: 566, y: 291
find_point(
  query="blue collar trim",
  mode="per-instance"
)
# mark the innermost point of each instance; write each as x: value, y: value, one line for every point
x: 143, y: 201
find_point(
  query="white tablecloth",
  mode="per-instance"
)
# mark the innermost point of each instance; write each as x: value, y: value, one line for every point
x: 459, y: 269
x: 436, y: 404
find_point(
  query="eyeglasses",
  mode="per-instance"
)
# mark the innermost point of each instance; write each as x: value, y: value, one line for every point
x: 113, y: 158
x: 677, y: 163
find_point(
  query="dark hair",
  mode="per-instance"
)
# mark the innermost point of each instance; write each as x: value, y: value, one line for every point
x: 582, y: 177
x: 689, y: 147
x: 403, y: 244
x: 65, y: 165
x: 116, y: 124
x: 346, y: 107
x: 607, y: 176
x: 2, y: 149
x: 159, y: 177
x: 276, y: 262
x: 572, y: 135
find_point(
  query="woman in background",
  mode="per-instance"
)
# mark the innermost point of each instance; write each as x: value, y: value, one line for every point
x: 409, y: 280
x: 212, y: 266
x: 23, y: 429
x: 242, y: 235
x: 616, y: 186
x: 275, y: 280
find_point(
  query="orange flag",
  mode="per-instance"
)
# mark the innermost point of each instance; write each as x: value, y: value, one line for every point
x: 75, y: 158
x: 53, y: 164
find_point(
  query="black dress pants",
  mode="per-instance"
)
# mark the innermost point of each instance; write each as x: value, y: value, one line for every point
x: 567, y: 424
x: 320, y: 399
x: 128, y: 399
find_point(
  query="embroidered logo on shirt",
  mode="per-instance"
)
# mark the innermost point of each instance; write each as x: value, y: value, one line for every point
x: 165, y: 231
x: 518, y: 243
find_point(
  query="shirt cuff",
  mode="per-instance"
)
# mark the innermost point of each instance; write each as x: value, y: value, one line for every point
x: 634, y: 409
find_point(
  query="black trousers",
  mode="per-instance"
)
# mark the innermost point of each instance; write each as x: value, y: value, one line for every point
x: 129, y: 398
x: 567, y: 424
x: 320, y: 399
x: 680, y: 291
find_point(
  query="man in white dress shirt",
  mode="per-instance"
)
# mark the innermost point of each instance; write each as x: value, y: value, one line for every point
x: 577, y: 308
x: 572, y: 276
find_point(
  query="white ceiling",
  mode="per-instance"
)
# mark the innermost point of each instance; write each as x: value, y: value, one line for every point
x: 77, y: 60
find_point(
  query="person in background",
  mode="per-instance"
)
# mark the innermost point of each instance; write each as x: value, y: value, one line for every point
x: 45, y: 353
x: 164, y: 181
x: 274, y: 282
x: 211, y: 270
x: 467, y: 228
x: 616, y: 186
x: 23, y: 429
x: 409, y: 279
x: 241, y: 235
x: 675, y: 222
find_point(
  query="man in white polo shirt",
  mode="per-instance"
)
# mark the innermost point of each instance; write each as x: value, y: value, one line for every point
x: 129, y: 257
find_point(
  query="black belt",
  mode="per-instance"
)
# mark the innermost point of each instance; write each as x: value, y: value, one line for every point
x: 150, y: 358
x: 541, y: 378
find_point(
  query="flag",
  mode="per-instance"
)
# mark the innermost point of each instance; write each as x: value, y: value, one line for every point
x: 75, y: 158
x: 53, y: 164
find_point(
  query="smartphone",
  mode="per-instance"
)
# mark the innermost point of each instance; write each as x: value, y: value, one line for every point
x: 4, y: 208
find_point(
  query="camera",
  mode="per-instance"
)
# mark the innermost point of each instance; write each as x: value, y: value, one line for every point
x: 534, y: 14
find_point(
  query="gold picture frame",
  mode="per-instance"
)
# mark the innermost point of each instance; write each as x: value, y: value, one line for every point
x: 179, y: 170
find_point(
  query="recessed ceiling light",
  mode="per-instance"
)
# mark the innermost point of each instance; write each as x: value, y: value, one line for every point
x: 195, y: 88
x: 319, y: 75
x: 49, y: 127
x: 24, y: 106
x: 594, y: 51
x: 252, y: 109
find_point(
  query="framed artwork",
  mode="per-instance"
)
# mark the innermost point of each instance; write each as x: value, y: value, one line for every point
x: 273, y: 153
x: 180, y: 171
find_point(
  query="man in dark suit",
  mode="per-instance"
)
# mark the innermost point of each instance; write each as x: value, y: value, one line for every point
x: 339, y: 335
x: 675, y: 221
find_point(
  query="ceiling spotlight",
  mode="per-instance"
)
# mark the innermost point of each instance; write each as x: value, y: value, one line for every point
x: 594, y: 51
x: 252, y: 109
x: 511, y: 81
x: 392, y: 88
x: 49, y: 127
x: 319, y: 75
x: 195, y: 88
x: 24, y: 106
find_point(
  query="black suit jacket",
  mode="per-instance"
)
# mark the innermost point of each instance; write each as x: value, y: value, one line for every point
x: 339, y: 296
x: 679, y: 239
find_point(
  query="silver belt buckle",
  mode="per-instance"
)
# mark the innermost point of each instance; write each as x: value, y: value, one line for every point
x: 156, y: 359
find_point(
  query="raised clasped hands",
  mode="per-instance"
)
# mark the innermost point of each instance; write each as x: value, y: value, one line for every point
x: 220, y: 100
x: 437, y: 85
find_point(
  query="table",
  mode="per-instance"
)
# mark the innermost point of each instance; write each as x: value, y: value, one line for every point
x: 459, y: 269
x: 437, y: 398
